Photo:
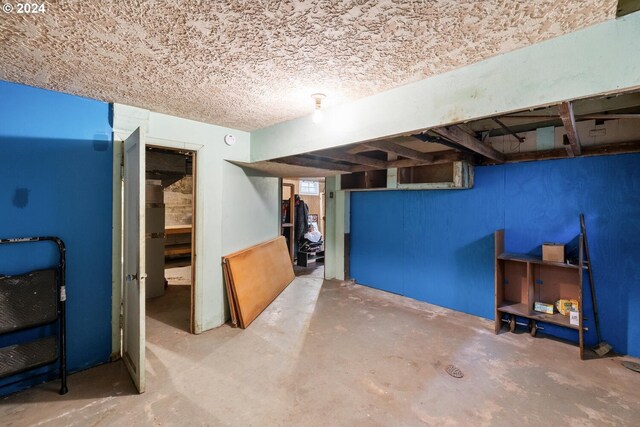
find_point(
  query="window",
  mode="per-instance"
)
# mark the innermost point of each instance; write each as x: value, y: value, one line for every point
x: 308, y: 187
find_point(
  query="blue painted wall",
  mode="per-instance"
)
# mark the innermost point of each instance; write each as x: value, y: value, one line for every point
x: 56, y: 174
x: 437, y: 246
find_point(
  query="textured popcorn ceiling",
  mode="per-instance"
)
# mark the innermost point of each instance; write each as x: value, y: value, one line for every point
x: 249, y: 64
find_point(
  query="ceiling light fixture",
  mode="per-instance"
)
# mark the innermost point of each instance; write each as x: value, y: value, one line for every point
x: 317, y: 114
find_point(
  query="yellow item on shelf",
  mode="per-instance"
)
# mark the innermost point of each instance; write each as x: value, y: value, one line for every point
x: 565, y: 306
x: 543, y: 308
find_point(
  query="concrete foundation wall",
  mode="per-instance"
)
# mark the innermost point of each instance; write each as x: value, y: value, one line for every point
x: 178, y: 201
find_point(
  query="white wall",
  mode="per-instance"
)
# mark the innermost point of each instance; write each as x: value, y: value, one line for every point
x: 250, y: 208
x: 233, y: 210
x: 338, y: 215
x: 600, y: 59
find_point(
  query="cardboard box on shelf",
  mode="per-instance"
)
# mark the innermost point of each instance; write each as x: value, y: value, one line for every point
x: 565, y: 306
x: 553, y: 252
x: 543, y: 307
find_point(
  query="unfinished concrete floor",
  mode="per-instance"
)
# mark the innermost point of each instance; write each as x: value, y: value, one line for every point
x: 332, y: 353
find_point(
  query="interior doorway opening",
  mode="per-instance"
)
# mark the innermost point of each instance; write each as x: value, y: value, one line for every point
x: 169, y: 212
x: 303, y: 223
x: 149, y: 173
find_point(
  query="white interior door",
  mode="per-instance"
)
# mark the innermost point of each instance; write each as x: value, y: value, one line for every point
x: 133, y: 295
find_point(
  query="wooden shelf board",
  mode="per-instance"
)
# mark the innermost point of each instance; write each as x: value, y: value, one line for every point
x: 177, y: 229
x: 180, y: 249
x: 506, y: 256
x: 522, y: 310
x: 286, y: 224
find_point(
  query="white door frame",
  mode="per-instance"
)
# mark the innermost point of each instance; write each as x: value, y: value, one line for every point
x: 116, y: 265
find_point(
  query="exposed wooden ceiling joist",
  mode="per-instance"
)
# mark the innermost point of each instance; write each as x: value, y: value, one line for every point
x: 439, y: 140
x: 400, y: 150
x: 453, y: 133
x: 407, y: 141
x: 315, y: 163
x: 429, y: 147
x: 366, y: 163
x: 438, y: 158
x: 357, y: 159
x: 507, y: 129
x: 619, y: 106
x: 268, y: 168
x: 569, y: 121
x: 561, y: 153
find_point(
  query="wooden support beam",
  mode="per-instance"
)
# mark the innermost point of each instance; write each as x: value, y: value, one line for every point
x: 569, y: 121
x: 609, y: 117
x: 400, y: 140
x: 357, y: 159
x: 506, y: 129
x: 359, y: 149
x: 400, y: 150
x: 465, y: 140
x: 561, y: 153
x: 439, y: 157
x: 437, y: 139
x: 313, y: 163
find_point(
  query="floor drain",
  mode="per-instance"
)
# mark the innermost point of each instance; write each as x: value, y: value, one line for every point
x: 454, y: 371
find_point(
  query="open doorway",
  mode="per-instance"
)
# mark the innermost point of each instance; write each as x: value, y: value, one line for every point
x: 169, y: 212
x: 303, y: 223
x: 149, y: 173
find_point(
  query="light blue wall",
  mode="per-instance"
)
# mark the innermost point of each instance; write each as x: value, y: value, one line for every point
x: 56, y: 179
x: 437, y: 246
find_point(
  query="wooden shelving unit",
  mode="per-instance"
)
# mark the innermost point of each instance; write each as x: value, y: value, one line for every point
x: 455, y: 175
x: 178, y: 241
x: 286, y: 228
x: 368, y: 180
x: 521, y: 280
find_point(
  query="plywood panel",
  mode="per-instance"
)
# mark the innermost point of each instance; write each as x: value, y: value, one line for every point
x: 515, y: 288
x: 557, y: 283
x: 233, y: 308
x: 257, y: 275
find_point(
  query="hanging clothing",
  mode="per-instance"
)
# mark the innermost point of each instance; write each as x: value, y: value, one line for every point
x: 301, y: 216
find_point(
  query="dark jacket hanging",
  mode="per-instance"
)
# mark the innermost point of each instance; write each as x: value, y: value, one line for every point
x: 301, y: 218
